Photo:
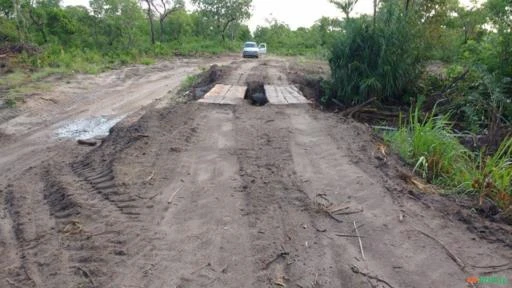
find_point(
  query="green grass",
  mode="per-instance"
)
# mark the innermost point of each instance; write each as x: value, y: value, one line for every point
x: 428, y: 145
x: 437, y: 156
x: 188, y: 82
x: 13, y: 79
x: 491, y: 176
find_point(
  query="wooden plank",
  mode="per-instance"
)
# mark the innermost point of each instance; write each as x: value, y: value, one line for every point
x: 235, y: 95
x: 218, y: 90
x: 293, y: 96
x: 211, y: 99
x: 284, y: 95
x: 225, y: 94
x: 274, y: 95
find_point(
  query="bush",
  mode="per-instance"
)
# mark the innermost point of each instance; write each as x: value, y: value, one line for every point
x: 379, y: 60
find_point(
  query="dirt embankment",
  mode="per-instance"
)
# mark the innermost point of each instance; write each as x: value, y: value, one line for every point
x: 205, y: 195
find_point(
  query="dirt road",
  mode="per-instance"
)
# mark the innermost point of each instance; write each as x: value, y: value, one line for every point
x: 206, y: 195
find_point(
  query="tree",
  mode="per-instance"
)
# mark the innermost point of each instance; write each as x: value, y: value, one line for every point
x: 164, y: 8
x: 150, y: 19
x: 345, y: 5
x: 223, y: 13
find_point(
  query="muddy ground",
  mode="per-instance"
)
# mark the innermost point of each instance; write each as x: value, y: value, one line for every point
x: 204, y: 195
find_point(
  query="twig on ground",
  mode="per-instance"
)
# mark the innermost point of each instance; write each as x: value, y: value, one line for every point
x: 491, y: 266
x: 360, y: 242
x: 350, y: 212
x: 356, y: 270
x: 150, y: 176
x: 174, y: 195
x: 333, y: 217
x: 448, y: 252
x: 349, y: 235
x: 494, y: 271
x: 142, y: 135
x: 337, y: 209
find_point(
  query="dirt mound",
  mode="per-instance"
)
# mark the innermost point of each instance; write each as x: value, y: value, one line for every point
x: 207, y: 80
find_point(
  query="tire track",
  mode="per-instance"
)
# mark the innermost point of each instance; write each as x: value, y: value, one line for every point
x: 286, y: 247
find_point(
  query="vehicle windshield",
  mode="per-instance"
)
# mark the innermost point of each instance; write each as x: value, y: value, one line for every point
x: 250, y: 45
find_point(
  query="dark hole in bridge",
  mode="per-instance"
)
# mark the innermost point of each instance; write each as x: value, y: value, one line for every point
x: 255, y: 93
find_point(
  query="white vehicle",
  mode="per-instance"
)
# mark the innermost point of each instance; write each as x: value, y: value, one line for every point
x: 252, y: 49
x: 262, y: 48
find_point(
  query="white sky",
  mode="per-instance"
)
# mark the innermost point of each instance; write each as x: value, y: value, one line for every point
x: 295, y: 13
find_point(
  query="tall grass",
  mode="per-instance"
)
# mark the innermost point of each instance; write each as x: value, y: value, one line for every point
x: 492, y: 175
x: 429, y: 146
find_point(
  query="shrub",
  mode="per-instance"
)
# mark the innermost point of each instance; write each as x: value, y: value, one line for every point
x: 379, y: 60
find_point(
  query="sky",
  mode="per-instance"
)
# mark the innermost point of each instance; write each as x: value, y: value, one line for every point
x: 295, y: 13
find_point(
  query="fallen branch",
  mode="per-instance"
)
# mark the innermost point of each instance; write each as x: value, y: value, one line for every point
x: 448, y: 252
x: 349, y: 112
x: 356, y: 270
x: 491, y: 266
x: 360, y: 242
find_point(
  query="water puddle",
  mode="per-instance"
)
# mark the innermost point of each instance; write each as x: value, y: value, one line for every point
x: 88, y: 128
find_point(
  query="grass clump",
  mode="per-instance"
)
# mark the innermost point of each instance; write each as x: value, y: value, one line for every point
x: 188, y: 82
x: 429, y: 146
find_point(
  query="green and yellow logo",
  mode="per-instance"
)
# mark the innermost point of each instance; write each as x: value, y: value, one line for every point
x: 497, y: 280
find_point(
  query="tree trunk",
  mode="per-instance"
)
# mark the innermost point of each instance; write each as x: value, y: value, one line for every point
x: 374, y: 12
x: 150, y: 18
x: 161, y: 29
x: 226, y: 28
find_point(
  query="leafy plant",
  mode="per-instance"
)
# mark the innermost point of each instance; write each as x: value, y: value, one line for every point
x: 380, y: 60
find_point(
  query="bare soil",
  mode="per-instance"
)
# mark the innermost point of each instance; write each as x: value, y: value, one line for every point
x: 205, y: 195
